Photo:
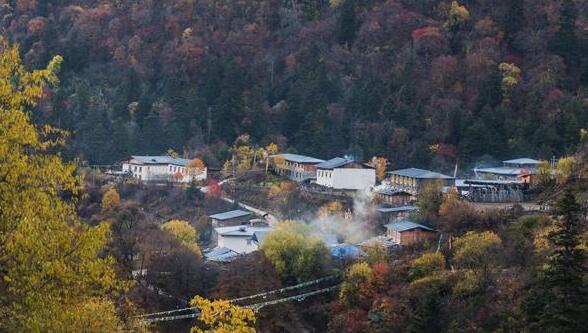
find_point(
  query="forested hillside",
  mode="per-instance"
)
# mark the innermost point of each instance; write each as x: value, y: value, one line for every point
x: 421, y: 82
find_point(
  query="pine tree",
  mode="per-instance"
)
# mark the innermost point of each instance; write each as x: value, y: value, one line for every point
x: 515, y: 19
x: 565, y: 42
x: 558, y: 297
x: 347, y: 22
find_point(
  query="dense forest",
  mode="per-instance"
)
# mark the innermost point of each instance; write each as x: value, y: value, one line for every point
x: 421, y: 82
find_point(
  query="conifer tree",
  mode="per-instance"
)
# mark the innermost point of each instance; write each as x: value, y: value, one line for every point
x: 565, y: 42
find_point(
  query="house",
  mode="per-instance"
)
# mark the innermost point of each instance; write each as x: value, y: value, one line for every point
x: 388, y: 195
x: 296, y: 167
x: 230, y: 218
x: 412, y: 180
x: 394, y: 213
x: 161, y: 168
x: 345, y: 174
x: 241, y: 239
x: 520, y: 169
x: 221, y: 255
x: 405, y: 232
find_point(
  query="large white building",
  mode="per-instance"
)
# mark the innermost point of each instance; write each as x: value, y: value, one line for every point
x: 345, y: 174
x: 161, y: 168
x: 241, y: 239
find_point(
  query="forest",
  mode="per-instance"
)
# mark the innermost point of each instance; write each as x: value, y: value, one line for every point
x: 420, y: 82
x: 434, y: 84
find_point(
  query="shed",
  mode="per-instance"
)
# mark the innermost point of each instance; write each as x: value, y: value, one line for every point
x: 230, y: 218
x: 405, y: 232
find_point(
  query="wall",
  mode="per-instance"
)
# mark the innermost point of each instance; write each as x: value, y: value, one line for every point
x: 241, y: 244
x: 353, y: 179
x: 324, y: 177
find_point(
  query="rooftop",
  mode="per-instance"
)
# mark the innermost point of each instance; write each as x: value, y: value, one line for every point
x: 503, y: 171
x: 241, y: 231
x: 406, y: 225
x: 419, y: 173
x: 300, y: 158
x: 523, y: 160
x: 230, y: 215
x: 161, y: 160
x: 221, y: 254
x: 397, y: 209
x: 334, y: 163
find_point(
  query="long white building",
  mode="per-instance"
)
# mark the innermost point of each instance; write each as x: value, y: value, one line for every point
x: 345, y: 174
x: 161, y: 168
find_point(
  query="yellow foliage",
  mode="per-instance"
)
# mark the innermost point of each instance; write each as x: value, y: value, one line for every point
x: 222, y: 317
x: 356, y: 275
x: 330, y: 208
x: 272, y: 149
x: 50, y: 260
x: 457, y: 14
x: 565, y: 169
x: 183, y: 231
x: 511, y: 76
x: 195, y: 167
x: 476, y: 249
x: 427, y: 264
x: 110, y: 199
x: 380, y: 163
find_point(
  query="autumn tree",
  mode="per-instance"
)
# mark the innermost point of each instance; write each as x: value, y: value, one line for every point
x: 355, y: 276
x: 195, y: 167
x: 294, y: 252
x: 557, y: 300
x: 110, y: 199
x: 381, y: 164
x: 183, y: 231
x: 477, y: 251
x: 565, y: 168
x: 429, y: 200
x: 221, y: 316
x: 53, y: 267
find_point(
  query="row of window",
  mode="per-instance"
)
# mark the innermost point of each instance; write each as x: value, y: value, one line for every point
x: 172, y: 168
x: 322, y: 173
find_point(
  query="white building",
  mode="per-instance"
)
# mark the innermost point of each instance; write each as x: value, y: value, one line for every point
x: 345, y: 174
x: 161, y: 168
x: 242, y: 238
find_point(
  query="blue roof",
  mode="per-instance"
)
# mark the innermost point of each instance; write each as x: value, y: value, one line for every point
x: 334, y: 163
x: 502, y: 171
x: 523, y: 160
x: 300, y: 158
x: 230, y: 215
x: 397, y: 209
x: 405, y: 225
x: 345, y: 251
x: 161, y: 160
x: 419, y: 173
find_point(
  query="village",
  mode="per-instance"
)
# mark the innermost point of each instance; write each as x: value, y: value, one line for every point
x: 392, y: 197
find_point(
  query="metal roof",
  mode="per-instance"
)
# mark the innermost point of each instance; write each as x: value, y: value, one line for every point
x: 419, y: 173
x: 503, y: 171
x: 345, y: 251
x: 390, y: 191
x: 300, y: 158
x: 230, y: 215
x: 161, y: 160
x: 397, y: 209
x: 523, y: 160
x: 334, y: 163
x: 221, y: 254
x: 240, y: 230
x: 405, y: 225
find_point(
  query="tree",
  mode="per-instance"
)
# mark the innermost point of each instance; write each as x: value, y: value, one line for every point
x: 195, y: 167
x: 182, y: 230
x: 355, y: 276
x: 347, y: 22
x: 222, y: 317
x: 110, y: 199
x: 380, y: 163
x: 565, y: 42
x: 476, y: 251
x: 51, y: 264
x: 295, y: 254
x: 515, y: 19
x: 557, y: 300
x: 565, y: 169
x: 427, y: 264
x: 429, y: 200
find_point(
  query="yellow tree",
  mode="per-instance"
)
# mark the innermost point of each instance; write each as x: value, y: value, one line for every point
x: 222, y: 317
x: 51, y: 264
x: 195, y: 167
x: 380, y: 163
x: 110, y: 199
x: 565, y: 169
x: 183, y: 231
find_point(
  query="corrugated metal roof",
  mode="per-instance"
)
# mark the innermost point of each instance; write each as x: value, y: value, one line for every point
x: 405, y: 225
x: 390, y: 191
x: 300, y: 158
x: 419, y: 173
x: 230, y: 215
x: 221, y: 254
x: 503, y: 171
x: 397, y: 209
x: 345, y: 251
x: 334, y: 163
x: 524, y: 160
x: 161, y: 160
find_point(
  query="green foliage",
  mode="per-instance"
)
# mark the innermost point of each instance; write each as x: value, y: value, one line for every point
x: 355, y: 276
x: 296, y: 255
x: 429, y: 200
x: 428, y: 264
x: 557, y: 300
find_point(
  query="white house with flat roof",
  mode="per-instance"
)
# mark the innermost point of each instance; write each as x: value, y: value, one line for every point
x: 161, y: 168
x: 242, y: 238
x: 345, y: 174
x: 296, y: 167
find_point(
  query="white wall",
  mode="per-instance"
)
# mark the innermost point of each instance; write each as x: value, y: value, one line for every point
x: 324, y: 177
x: 242, y: 244
x: 353, y: 179
x: 147, y: 172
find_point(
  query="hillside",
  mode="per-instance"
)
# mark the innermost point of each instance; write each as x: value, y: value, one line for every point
x: 423, y: 83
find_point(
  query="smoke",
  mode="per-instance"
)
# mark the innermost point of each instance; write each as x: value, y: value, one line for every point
x: 347, y: 226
